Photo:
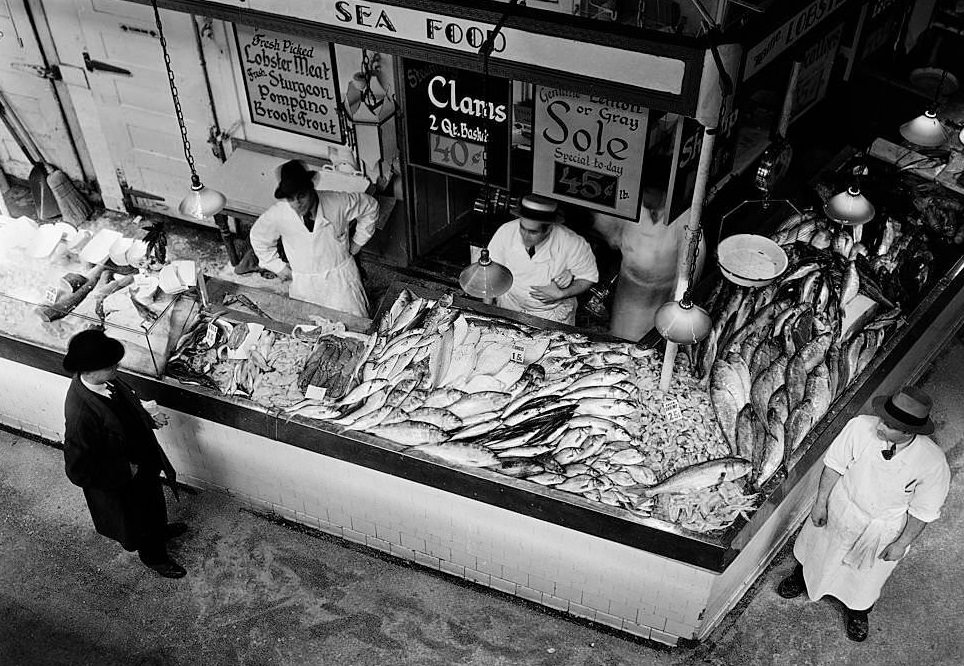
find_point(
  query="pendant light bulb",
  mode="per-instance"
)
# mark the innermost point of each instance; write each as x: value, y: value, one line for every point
x: 201, y: 202
x: 683, y: 322
x: 850, y: 207
x: 925, y: 130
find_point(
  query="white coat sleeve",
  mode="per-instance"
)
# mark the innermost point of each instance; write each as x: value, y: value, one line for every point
x: 264, y: 237
x: 930, y: 493
x: 364, y: 209
x: 499, y: 245
x: 843, y: 450
x: 582, y: 263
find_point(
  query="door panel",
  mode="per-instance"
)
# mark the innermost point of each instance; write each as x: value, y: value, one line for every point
x: 30, y: 96
x: 136, y: 111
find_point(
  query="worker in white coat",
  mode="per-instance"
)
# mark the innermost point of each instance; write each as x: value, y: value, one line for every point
x: 313, y: 226
x: 883, y: 480
x: 550, y: 263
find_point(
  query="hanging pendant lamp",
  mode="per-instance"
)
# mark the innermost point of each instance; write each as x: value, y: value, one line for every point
x: 201, y: 202
x: 485, y: 279
x: 683, y: 322
x: 850, y: 208
x: 924, y: 130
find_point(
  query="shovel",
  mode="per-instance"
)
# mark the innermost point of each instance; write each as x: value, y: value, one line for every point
x: 43, y: 196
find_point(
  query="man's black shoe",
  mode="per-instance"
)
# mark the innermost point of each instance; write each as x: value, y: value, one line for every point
x: 169, y: 569
x: 174, y: 530
x: 793, y: 585
x: 858, y: 625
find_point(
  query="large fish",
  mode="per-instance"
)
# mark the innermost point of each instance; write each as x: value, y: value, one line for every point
x: 364, y: 390
x: 408, y: 316
x: 600, y: 378
x: 600, y: 425
x: 476, y: 430
x: 766, y: 354
x: 798, y: 425
x: 404, y: 298
x: 572, y: 438
x: 772, y: 378
x: 374, y: 418
x: 833, y: 370
x: 728, y: 398
x: 612, y: 392
x: 410, y: 433
x: 517, y: 467
x: 605, y: 407
x: 371, y: 404
x: 779, y: 405
x: 701, y: 475
x: 818, y: 391
x: 443, y: 397
x: 475, y: 403
x: 813, y: 353
x: 464, y: 454
x: 438, y: 416
x: 739, y: 364
x: 796, y: 380
x: 524, y: 451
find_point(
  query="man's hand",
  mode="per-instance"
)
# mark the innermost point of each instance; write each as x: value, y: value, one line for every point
x: 818, y: 516
x: 285, y: 274
x: 893, y: 552
x: 547, y: 293
x: 160, y: 419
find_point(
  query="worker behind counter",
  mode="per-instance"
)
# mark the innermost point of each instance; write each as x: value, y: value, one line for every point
x: 313, y: 226
x: 550, y: 263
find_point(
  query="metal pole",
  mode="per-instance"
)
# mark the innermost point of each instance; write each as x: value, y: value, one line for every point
x: 685, y: 257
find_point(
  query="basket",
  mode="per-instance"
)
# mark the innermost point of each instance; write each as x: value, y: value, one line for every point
x: 750, y: 260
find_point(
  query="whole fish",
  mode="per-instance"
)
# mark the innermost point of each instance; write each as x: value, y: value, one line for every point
x: 407, y: 316
x: 475, y: 403
x: 728, y: 398
x: 400, y: 343
x: 600, y: 425
x: 517, y: 467
x: 501, y: 444
x: 779, y: 405
x: 464, y: 454
x: 474, y: 431
x: 869, y: 349
x: 438, y: 416
x: 802, y: 270
x: 443, y: 397
x: 641, y: 474
x: 627, y: 457
x: 605, y: 407
x: 576, y: 484
x: 766, y: 354
x: 833, y: 370
x: 600, y: 378
x: 371, y: 404
x: 701, y: 475
x: 851, y: 283
x: 573, y: 438
x: 612, y: 392
x: 482, y: 417
x: 739, y: 364
x: 364, y: 390
x: 770, y: 458
x: 404, y: 298
x: 410, y: 433
x: 813, y: 353
x: 568, y: 456
x: 547, y: 479
x: 373, y: 418
x: 576, y: 469
x: 799, y: 424
x: 415, y: 400
x: 818, y: 391
x: 766, y: 383
x: 315, y: 411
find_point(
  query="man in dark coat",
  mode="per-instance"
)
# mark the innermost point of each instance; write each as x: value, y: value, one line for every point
x: 111, y: 452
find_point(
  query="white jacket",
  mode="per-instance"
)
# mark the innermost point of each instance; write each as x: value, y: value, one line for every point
x: 323, y: 270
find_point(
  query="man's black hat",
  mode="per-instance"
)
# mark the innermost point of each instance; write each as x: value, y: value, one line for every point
x: 294, y: 178
x: 92, y: 350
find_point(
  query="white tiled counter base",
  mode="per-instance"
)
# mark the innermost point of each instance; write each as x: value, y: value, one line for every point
x: 588, y: 577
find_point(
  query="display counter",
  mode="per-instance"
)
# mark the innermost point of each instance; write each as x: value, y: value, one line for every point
x: 640, y: 574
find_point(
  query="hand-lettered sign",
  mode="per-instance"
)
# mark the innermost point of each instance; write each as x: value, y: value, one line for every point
x: 291, y: 82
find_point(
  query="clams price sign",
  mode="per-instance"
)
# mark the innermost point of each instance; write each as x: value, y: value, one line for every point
x: 291, y: 82
x: 588, y: 150
x: 458, y: 122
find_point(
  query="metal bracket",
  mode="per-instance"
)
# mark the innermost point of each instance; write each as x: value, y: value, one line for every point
x: 98, y: 66
x: 51, y: 73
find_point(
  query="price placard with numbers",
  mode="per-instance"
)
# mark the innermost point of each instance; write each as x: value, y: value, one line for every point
x: 671, y: 410
x: 588, y: 150
x: 458, y: 122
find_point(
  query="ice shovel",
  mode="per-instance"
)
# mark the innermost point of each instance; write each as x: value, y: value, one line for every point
x: 43, y: 196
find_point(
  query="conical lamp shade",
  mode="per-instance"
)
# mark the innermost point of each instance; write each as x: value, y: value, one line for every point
x: 851, y: 208
x: 682, y: 322
x: 924, y: 130
x: 485, y: 278
x: 202, y: 202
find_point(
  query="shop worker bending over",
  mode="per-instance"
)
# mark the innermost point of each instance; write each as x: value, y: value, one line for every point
x: 313, y: 226
x: 883, y: 480
x: 111, y: 452
x: 550, y: 263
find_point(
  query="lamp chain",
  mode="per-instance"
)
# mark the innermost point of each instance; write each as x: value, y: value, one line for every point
x: 185, y: 142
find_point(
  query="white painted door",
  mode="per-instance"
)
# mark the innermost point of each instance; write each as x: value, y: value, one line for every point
x: 30, y: 95
x: 120, y: 50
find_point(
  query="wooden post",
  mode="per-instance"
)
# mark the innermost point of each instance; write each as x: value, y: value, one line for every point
x: 685, y: 257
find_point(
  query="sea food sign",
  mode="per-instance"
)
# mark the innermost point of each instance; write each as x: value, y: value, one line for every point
x: 789, y: 33
x: 588, y: 150
x: 291, y: 82
x: 458, y: 122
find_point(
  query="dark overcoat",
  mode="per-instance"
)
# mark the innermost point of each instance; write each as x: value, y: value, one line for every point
x: 98, y: 451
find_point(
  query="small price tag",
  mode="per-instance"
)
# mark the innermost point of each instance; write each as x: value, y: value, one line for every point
x: 671, y: 410
x: 50, y: 295
x: 211, y: 335
x: 315, y: 392
x: 518, y: 353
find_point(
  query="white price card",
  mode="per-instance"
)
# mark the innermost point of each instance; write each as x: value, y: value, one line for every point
x: 211, y: 335
x: 671, y: 410
x: 518, y: 353
x: 50, y: 295
x: 316, y: 392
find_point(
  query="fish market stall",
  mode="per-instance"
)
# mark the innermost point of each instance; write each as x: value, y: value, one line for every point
x: 536, y: 459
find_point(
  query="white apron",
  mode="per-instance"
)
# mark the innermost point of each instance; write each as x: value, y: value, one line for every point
x: 537, y: 270
x: 866, y: 512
